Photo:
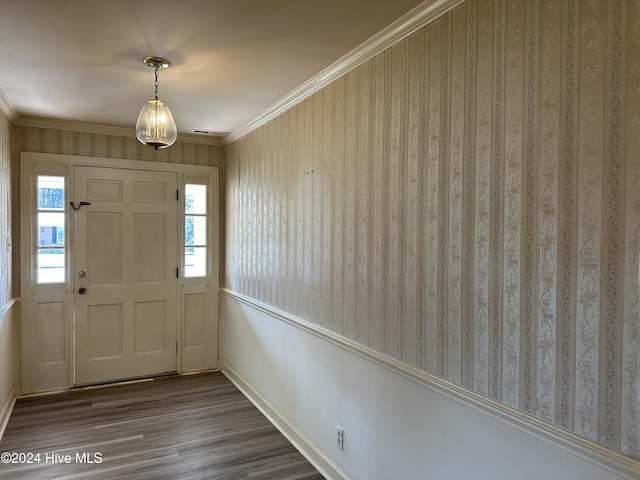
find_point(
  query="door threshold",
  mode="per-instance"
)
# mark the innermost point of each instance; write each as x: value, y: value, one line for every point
x: 121, y: 381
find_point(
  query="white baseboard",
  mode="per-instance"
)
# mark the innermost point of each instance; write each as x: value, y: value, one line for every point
x: 553, y: 439
x: 325, y: 466
x: 5, y: 414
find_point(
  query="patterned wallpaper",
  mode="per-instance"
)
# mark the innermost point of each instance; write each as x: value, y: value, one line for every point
x: 5, y: 208
x: 47, y: 140
x: 468, y: 202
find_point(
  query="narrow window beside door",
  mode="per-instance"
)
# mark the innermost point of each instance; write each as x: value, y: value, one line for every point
x: 51, y: 249
x: 195, y: 230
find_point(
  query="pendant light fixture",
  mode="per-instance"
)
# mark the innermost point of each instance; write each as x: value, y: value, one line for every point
x: 155, y: 126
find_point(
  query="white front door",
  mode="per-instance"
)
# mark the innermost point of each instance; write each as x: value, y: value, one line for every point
x: 125, y: 285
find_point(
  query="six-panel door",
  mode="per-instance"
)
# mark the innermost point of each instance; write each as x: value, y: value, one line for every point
x: 125, y: 286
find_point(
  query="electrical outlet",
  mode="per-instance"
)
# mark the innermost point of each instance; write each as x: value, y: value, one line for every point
x: 340, y: 437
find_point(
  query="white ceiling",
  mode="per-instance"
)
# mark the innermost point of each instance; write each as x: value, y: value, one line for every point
x: 81, y: 60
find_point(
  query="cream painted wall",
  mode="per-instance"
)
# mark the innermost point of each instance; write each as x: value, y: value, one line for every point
x: 394, y: 426
x: 9, y: 359
x: 468, y: 203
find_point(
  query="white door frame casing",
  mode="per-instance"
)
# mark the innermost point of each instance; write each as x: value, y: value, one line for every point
x: 54, y: 369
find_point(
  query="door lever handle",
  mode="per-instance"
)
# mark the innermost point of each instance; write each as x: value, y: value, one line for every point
x: 81, y: 204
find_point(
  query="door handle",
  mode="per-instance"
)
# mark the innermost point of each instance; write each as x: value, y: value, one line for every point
x: 82, y: 290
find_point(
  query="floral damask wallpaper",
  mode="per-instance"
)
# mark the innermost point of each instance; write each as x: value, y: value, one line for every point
x: 468, y: 202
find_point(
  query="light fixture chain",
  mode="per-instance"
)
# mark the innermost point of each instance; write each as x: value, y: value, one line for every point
x: 155, y: 84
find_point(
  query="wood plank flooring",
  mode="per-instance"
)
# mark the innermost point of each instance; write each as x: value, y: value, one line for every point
x: 187, y: 428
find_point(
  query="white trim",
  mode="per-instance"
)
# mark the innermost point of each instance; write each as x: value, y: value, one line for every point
x: 7, y: 409
x: 6, y: 307
x: 6, y: 105
x: 48, y: 161
x: 38, y: 122
x: 426, y: 12
x: 322, y: 463
x: 567, y: 441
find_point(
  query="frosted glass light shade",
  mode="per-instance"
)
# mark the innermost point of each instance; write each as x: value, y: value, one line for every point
x: 155, y: 126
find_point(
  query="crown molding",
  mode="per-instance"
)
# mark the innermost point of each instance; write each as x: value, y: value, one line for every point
x: 6, y: 105
x: 39, y: 122
x: 80, y: 127
x: 417, y: 18
x: 412, y: 21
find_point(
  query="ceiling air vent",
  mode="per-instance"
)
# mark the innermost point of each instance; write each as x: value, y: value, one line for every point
x: 211, y: 133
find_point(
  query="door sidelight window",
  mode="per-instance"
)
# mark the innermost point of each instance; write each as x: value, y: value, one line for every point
x: 195, y: 230
x: 50, y: 218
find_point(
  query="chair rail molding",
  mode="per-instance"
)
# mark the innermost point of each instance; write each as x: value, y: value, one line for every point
x: 574, y: 444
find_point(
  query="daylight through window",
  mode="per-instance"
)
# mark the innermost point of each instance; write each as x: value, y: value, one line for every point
x: 51, y: 249
x: 195, y: 230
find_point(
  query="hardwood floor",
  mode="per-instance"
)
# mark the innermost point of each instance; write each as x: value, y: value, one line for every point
x: 183, y: 428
